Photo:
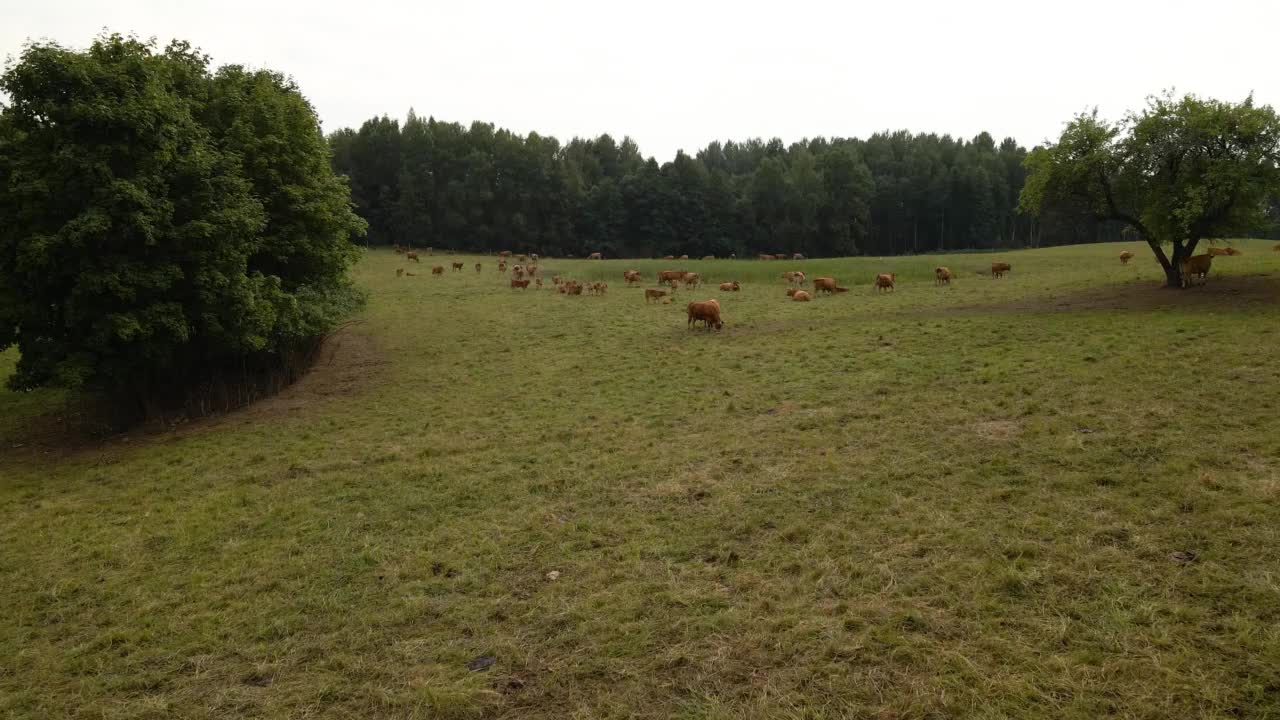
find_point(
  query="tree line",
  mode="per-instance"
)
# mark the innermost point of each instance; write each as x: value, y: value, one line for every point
x: 481, y: 188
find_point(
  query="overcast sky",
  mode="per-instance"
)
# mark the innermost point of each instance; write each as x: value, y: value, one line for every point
x: 677, y: 75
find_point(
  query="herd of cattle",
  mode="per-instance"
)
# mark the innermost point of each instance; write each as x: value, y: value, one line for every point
x: 525, y: 271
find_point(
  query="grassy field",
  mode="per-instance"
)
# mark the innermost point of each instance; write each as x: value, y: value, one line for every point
x: 1052, y: 495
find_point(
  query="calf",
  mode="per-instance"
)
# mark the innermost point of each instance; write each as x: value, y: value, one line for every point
x: 884, y: 282
x: 998, y: 269
x: 824, y: 284
x: 631, y: 276
x: 502, y: 267
x: 1125, y: 257
x: 791, y: 292
x: 522, y: 284
x: 1196, y: 266
x: 731, y: 286
x: 653, y: 295
x: 412, y: 256
x: 942, y: 276
x: 477, y: 267
x: 692, y: 279
x: 437, y: 270
x: 800, y: 296
x: 457, y: 266
x: 707, y: 311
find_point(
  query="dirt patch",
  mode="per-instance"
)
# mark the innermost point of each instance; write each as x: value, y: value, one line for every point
x: 348, y: 362
x: 998, y: 431
x: 1235, y: 292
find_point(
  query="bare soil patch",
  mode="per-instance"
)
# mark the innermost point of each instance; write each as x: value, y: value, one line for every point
x: 347, y: 363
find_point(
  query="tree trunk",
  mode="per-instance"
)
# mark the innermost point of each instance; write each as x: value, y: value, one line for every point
x: 1173, y: 266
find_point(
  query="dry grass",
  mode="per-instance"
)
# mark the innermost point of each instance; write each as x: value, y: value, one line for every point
x: 1013, y: 498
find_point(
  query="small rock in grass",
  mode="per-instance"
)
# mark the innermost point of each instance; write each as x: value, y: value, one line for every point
x: 484, y: 662
x: 553, y: 575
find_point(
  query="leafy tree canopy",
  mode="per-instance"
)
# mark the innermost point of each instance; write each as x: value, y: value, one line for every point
x: 163, y: 222
x: 1179, y: 171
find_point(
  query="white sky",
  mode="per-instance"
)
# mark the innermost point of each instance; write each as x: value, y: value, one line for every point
x: 680, y: 74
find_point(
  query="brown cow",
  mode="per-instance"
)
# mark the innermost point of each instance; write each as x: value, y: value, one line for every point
x: 517, y: 271
x: 669, y: 275
x: 502, y: 267
x: 477, y: 267
x: 884, y: 282
x: 457, y: 266
x: 708, y: 257
x: 998, y: 269
x: 824, y: 284
x: 437, y: 270
x: 797, y: 256
x: 1125, y: 257
x: 707, y: 311
x: 557, y: 279
x: 653, y: 295
x: 942, y: 276
x: 684, y: 257
x: 631, y: 276
x: 692, y: 279
x: 730, y: 286
x: 1215, y: 251
x: 412, y: 256
x: 522, y: 284
x: 531, y: 270
x: 762, y: 256
x: 1196, y: 266
x: 668, y: 257
x: 595, y: 256
x: 573, y: 287
x: 504, y: 254
x: 800, y: 296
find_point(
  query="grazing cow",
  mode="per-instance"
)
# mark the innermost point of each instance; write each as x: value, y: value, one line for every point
x: 826, y: 284
x: 1196, y: 266
x: 942, y: 276
x: 692, y: 279
x: 595, y: 256
x: 412, y: 256
x: 669, y: 275
x: 531, y: 270
x: 631, y: 276
x: 1125, y: 257
x: 708, y: 257
x: 797, y: 256
x: 684, y: 257
x: 884, y: 282
x: 437, y: 270
x: 762, y: 256
x: 653, y: 295
x: 457, y: 266
x: 597, y: 288
x: 674, y: 284
x: 707, y: 311
x: 800, y: 296
x: 668, y: 257
x: 789, y: 275
x: 399, y: 272
x: 998, y: 269
x: 477, y: 267
x: 573, y: 287
x: 1224, y: 251
x: 730, y: 286
x: 522, y: 284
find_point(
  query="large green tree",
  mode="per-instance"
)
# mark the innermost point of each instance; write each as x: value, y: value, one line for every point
x: 163, y: 224
x: 1179, y: 171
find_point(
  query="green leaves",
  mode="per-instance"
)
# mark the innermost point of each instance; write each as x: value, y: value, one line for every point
x: 162, y: 222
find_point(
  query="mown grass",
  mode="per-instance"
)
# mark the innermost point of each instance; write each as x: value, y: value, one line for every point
x: 944, y: 502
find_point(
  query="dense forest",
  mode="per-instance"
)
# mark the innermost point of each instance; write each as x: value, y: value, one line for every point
x: 480, y: 188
